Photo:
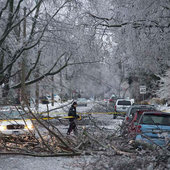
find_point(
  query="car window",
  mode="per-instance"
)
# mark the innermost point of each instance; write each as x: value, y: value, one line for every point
x: 14, y: 114
x: 81, y: 99
x: 156, y: 119
x: 134, y: 110
x: 124, y: 102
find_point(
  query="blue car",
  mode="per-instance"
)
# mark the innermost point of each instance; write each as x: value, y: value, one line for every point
x: 154, y: 128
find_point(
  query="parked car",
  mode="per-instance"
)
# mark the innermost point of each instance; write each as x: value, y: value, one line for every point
x: 113, y: 99
x: 132, y: 116
x: 132, y: 126
x: 106, y: 100
x: 82, y: 102
x: 4, y: 108
x: 121, y: 106
x: 15, y: 122
x: 57, y: 98
x: 134, y: 108
x: 90, y: 100
x: 44, y: 100
x: 154, y: 128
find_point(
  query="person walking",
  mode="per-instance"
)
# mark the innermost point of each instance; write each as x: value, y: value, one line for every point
x: 72, y: 124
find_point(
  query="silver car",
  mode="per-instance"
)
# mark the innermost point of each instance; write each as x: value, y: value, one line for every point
x: 82, y: 102
x: 15, y: 122
x: 122, y: 105
x: 133, y: 109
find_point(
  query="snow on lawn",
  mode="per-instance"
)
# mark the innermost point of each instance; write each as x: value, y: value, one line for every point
x: 60, y: 106
x: 59, y: 109
x: 163, y: 108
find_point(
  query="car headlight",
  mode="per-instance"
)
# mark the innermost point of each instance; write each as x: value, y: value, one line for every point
x: 3, y: 127
x: 29, y: 127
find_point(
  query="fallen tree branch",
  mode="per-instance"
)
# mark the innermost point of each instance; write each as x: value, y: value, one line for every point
x: 86, y: 134
x: 119, y: 152
x: 47, y: 128
x: 41, y: 155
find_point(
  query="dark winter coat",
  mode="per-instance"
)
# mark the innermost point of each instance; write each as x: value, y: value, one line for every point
x: 72, y: 112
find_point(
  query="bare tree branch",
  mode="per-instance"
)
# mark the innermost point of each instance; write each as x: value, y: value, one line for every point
x: 49, y: 73
x: 11, y: 27
x: 3, y: 9
x: 34, y: 66
x: 135, y: 24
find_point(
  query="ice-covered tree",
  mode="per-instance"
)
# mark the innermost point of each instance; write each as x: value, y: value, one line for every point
x: 164, y: 90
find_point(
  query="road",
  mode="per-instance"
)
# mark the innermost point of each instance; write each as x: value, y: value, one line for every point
x: 14, y: 162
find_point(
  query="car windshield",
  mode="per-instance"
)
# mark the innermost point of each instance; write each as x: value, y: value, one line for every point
x: 134, y: 110
x: 124, y: 102
x: 156, y: 119
x: 81, y: 99
x: 12, y: 114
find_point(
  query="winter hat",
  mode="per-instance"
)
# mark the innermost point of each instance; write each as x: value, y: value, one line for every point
x: 74, y: 103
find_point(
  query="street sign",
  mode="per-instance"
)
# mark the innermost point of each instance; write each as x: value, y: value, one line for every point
x: 142, y: 89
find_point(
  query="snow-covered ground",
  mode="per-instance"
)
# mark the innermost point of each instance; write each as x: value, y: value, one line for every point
x: 14, y: 162
x: 8, y: 162
x: 61, y: 109
x: 163, y: 108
